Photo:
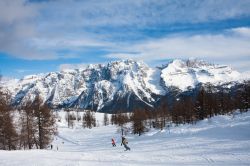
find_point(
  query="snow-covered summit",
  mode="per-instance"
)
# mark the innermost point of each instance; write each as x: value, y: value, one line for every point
x: 185, y: 74
x: 118, y: 85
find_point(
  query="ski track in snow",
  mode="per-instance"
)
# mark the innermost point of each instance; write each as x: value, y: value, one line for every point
x: 202, y: 144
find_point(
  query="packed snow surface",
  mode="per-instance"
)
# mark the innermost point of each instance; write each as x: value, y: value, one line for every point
x: 222, y: 140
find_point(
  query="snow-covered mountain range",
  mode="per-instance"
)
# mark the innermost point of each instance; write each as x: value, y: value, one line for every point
x: 118, y: 85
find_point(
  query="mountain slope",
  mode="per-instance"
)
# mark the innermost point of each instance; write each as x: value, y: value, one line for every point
x: 221, y: 140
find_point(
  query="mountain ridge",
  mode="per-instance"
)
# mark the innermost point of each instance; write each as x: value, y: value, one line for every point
x: 118, y: 85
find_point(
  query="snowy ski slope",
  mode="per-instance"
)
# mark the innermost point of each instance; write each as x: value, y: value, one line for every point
x: 222, y: 140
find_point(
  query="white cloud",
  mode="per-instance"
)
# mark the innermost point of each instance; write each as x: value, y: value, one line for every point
x: 39, y: 30
x: 66, y: 43
x: 243, y: 31
x: 22, y: 70
x: 72, y: 66
x: 223, y: 47
x: 141, y: 13
x: 15, y: 11
x: 17, y: 28
x: 23, y: 33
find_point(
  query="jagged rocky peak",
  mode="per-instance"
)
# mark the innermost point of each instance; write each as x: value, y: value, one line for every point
x: 191, y: 63
x: 113, y: 68
x: 117, y: 81
x: 126, y: 65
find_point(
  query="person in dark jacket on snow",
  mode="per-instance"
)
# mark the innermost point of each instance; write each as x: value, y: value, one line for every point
x: 125, y: 142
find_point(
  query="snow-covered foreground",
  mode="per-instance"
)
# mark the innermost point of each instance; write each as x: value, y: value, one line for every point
x: 222, y: 140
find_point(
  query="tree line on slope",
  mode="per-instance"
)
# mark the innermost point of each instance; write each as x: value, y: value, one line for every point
x: 31, y: 126
x: 88, y: 119
x: 207, y: 102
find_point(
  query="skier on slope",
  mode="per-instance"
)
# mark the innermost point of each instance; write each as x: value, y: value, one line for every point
x: 113, y: 142
x: 125, y: 142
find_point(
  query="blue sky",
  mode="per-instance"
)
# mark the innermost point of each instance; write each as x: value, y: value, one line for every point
x: 50, y: 35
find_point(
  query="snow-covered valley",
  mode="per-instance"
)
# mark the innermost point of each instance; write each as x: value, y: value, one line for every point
x: 222, y: 140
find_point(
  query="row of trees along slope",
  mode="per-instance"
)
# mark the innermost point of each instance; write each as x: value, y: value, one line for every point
x: 32, y: 126
x: 208, y: 101
x: 204, y: 102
